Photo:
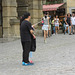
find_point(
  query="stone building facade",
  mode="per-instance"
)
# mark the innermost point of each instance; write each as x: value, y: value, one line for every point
x: 70, y: 6
x: 10, y: 12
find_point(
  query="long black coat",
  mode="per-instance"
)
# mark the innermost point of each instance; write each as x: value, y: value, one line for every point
x: 33, y: 45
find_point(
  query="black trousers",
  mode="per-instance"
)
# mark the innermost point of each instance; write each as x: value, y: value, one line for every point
x: 26, y: 49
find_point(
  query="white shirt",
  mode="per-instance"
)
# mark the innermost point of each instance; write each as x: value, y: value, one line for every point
x: 57, y: 21
x: 73, y: 20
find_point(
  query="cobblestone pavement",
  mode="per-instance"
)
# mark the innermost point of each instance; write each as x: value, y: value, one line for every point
x: 56, y: 57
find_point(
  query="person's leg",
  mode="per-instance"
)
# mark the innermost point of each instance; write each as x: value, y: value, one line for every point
x: 53, y: 30
x: 44, y: 35
x: 66, y: 28
x: 70, y: 29
x: 23, y: 46
x: 26, y: 51
x: 73, y: 29
x: 50, y: 30
x: 49, y: 33
x: 56, y: 29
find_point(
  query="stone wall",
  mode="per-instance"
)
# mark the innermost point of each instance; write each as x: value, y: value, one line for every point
x: 36, y: 11
x: 12, y: 9
x: 21, y: 7
x: 70, y: 4
x: 15, y: 28
x: 0, y: 31
x: 9, y: 12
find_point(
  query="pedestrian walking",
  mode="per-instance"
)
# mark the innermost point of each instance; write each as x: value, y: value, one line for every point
x: 73, y: 22
x: 66, y: 26
x: 45, y: 26
x: 26, y: 32
x: 68, y: 22
x: 49, y: 28
x: 53, y: 25
x: 56, y: 20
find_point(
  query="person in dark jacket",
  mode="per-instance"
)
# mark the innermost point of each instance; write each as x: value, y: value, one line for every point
x: 26, y: 33
x: 68, y: 22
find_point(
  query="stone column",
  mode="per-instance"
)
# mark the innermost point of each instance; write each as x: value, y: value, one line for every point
x: 9, y: 12
x: 15, y: 28
x: 22, y: 6
x: 33, y: 9
x: 70, y: 5
x: 40, y: 12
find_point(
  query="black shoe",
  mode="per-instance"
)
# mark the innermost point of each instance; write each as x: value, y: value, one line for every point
x: 70, y: 34
x: 73, y: 32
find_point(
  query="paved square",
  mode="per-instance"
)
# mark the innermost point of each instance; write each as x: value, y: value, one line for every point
x: 56, y: 57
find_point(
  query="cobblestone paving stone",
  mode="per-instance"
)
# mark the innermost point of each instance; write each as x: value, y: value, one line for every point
x: 56, y: 57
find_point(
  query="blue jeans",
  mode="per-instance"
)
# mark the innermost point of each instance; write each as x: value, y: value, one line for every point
x: 54, y: 29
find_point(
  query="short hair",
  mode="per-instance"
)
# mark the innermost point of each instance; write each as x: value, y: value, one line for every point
x: 45, y: 13
x: 68, y: 14
x: 26, y: 15
x: 56, y: 15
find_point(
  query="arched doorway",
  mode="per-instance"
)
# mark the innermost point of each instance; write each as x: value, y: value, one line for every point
x: 1, y: 21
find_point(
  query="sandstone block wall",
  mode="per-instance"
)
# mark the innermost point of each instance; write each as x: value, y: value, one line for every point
x: 9, y: 12
x: 13, y: 9
x: 70, y: 4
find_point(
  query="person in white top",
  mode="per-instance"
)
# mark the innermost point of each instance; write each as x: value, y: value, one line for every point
x: 45, y: 26
x: 56, y: 20
x: 49, y: 28
x: 73, y: 22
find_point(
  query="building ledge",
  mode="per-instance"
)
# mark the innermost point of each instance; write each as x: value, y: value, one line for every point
x: 14, y: 22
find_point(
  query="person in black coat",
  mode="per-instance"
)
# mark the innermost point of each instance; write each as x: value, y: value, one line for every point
x: 26, y: 33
